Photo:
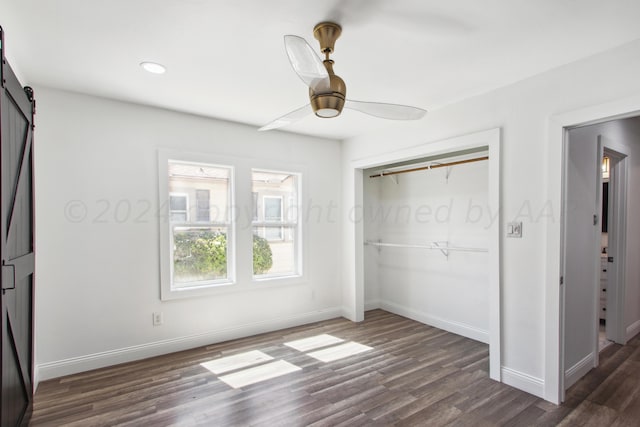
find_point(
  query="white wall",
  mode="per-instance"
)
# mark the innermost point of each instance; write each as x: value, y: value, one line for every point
x: 523, y: 112
x: 98, y: 283
x: 419, y: 208
x: 98, y: 276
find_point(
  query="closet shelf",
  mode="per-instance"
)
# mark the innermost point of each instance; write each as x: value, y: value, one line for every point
x: 441, y: 246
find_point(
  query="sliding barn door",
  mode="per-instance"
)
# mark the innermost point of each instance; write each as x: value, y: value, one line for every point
x: 16, y: 247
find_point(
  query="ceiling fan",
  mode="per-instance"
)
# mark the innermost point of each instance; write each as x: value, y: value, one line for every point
x: 327, y: 91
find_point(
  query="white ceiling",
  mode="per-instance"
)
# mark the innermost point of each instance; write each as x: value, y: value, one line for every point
x: 226, y: 58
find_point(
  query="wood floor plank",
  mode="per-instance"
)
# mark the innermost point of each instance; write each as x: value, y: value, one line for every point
x: 414, y: 375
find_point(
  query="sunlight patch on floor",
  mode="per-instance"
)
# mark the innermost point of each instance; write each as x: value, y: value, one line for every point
x: 312, y: 343
x: 339, y: 351
x: 237, y: 361
x: 259, y: 373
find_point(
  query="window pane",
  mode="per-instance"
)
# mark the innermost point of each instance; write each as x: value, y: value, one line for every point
x: 273, y: 208
x: 202, y: 205
x: 199, y: 254
x: 204, y: 189
x: 199, y: 204
x: 273, y: 233
x: 275, y: 228
x: 274, y: 257
x: 178, y: 202
x: 178, y: 216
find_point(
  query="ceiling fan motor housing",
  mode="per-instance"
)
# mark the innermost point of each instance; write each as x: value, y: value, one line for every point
x: 329, y: 103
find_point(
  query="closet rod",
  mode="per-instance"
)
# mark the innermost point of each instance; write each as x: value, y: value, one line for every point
x: 432, y: 246
x: 439, y: 165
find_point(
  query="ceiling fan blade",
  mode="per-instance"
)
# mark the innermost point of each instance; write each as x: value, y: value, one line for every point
x: 306, y: 63
x: 288, y: 118
x: 386, y: 111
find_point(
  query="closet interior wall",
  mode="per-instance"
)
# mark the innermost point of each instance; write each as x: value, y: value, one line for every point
x: 445, y: 206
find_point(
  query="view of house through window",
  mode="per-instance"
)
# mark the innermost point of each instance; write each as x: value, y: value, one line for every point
x: 199, y: 208
x: 275, y: 222
x: 201, y: 231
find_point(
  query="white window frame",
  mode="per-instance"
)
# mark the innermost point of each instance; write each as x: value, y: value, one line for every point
x: 167, y: 290
x: 297, y: 226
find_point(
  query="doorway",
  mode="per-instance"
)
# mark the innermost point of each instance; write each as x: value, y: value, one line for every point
x: 594, y: 249
x: 559, y: 126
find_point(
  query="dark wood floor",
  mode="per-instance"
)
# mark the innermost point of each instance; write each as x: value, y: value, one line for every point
x: 414, y: 375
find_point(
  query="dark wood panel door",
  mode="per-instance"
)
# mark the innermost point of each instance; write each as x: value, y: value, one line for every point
x: 16, y: 247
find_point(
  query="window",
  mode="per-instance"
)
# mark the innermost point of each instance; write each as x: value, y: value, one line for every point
x: 276, y: 229
x: 178, y: 204
x: 202, y: 206
x: 272, y: 213
x: 201, y: 234
x: 204, y: 217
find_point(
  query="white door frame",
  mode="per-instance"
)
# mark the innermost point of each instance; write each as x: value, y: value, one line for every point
x: 354, y: 228
x: 558, y: 124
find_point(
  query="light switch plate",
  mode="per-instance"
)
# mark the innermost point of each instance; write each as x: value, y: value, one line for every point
x: 514, y: 229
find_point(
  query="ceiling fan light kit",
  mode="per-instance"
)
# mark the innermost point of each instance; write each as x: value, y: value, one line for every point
x: 327, y: 91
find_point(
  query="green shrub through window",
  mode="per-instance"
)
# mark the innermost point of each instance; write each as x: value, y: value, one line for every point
x: 201, y: 255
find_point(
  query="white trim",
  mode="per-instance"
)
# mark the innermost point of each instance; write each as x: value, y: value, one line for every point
x: 438, y: 322
x: 353, y: 228
x: 633, y: 329
x: 579, y: 370
x: 522, y: 381
x: 88, y: 362
x: 627, y: 107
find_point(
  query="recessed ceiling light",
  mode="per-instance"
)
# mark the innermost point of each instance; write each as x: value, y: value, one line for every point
x: 153, y: 67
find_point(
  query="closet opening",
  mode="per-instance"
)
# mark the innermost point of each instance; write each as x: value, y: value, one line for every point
x: 427, y: 245
x: 426, y: 228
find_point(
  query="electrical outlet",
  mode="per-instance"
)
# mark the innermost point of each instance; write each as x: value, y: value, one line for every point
x: 157, y: 318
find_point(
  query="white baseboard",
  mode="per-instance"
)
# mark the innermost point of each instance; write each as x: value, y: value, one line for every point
x: 522, y: 381
x: 633, y: 330
x: 371, y: 305
x: 59, y: 368
x: 447, y: 325
x: 578, y: 370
